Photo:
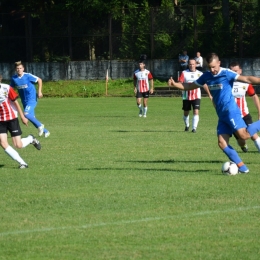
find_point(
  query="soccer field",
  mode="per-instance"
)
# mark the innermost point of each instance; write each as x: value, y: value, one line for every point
x: 110, y: 185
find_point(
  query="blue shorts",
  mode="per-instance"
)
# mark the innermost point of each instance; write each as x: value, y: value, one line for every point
x: 29, y: 108
x: 230, y: 122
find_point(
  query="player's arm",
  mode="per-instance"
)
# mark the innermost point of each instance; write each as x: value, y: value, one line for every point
x: 257, y: 104
x: 249, y: 79
x: 18, y: 108
x: 206, y: 88
x: 39, y: 81
x: 135, y: 83
x: 182, y: 86
x: 151, y: 86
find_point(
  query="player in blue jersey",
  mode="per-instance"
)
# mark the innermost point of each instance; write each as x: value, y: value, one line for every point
x: 220, y: 82
x: 24, y: 82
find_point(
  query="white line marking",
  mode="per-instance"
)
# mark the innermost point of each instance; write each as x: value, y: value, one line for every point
x: 101, y: 224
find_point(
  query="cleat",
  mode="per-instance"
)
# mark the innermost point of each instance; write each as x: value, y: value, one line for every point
x: 23, y: 166
x: 47, y: 134
x: 144, y: 115
x: 193, y: 131
x: 243, y: 169
x: 244, y: 148
x: 140, y: 113
x: 186, y: 128
x: 40, y: 130
x: 36, y: 143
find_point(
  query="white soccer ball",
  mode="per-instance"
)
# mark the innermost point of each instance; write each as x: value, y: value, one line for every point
x: 229, y: 168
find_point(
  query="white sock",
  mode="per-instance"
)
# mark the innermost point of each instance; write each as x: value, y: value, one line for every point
x: 195, y: 121
x: 145, y: 110
x: 140, y: 107
x: 14, y: 155
x: 27, y: 140
x: 257, y: 143
x: 186, y: 120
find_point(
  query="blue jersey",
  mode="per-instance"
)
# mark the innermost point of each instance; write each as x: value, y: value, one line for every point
x: 25, y: 87
x: 220, y: 87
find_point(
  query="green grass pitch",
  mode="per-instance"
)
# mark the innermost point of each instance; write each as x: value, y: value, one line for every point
x: 110, y: 185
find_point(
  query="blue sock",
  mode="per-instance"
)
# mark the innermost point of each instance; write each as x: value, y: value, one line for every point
x: 232, y: 154
x: 253, y: 128
x: 33, y: 119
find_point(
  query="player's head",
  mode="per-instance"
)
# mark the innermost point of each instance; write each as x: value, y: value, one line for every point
x: 19, y: 67
x: 235, y: 66
x: 198, y: 54
x: 141, y: 61
x: 192, y: 65
x: 213, y: 63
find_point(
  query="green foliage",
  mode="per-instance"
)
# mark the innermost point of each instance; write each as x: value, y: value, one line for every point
x: 110, y: 185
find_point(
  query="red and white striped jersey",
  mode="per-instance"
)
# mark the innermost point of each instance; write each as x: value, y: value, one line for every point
x: 188, y: 76
x: 239, y: 91
x: 142, y: 78
x: 7, y: 110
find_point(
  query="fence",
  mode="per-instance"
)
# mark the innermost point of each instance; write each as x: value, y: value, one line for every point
x: 161, y: 33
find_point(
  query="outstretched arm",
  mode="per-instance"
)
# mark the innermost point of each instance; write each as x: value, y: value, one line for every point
x: 257, y: 104
x: 249, y: 79
x: 182, y: 86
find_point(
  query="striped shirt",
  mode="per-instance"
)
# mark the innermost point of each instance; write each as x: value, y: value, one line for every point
x: 188, y: 76
x: 239, y: 91
x: 7, y: 109
x: 142, y: 78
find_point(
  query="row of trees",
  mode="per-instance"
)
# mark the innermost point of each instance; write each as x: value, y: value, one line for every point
x: 54, y: 30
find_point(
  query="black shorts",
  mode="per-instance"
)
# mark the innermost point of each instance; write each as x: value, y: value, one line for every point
x: 187, y: 104
x: 248, y: 120
x: 12, y: 126
x: 142, y: 94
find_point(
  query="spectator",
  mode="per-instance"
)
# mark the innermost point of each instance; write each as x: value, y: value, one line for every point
x: 183, y: 60
x: 199, y: 62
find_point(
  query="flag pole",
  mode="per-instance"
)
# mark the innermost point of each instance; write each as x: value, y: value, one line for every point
x: 106, y: 81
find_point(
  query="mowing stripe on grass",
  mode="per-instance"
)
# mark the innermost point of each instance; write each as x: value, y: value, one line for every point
x: 101, y: 224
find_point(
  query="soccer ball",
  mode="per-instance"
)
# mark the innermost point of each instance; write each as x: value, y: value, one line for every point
x: 229, y: 168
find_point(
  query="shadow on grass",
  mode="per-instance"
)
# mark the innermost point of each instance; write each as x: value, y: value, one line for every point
x: 144, y: 131
x: 138, y: 169
x: 175, y: 161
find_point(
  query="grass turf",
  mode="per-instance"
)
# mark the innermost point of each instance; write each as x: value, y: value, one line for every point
x: 110, y: 185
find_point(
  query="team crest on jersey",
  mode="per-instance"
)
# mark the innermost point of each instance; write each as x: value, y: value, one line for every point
x: 244, y: 87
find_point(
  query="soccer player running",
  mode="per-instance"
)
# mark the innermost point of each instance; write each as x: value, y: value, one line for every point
x: 220, y: 82
x: 24, y: 82
x: 239, y: 91
x: 143, y: 78
x: 9, y: 107
x: 191, y: 98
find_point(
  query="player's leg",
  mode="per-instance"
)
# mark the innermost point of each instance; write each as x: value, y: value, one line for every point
x: 4, y: 127
x: 242, y: 143
x: 138, y: 102
x: 186, y: 107
x: 255, y: 138
x: 145, y: 103
x: 16, y: 132
x: 195, y: 119
x: 224, y: 132
x: 30, y: 115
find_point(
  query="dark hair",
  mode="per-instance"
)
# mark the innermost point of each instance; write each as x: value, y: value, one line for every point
x: 212, y: 56
x: 234, y: 64
x: 191, y: 59
x: 142, y: 58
